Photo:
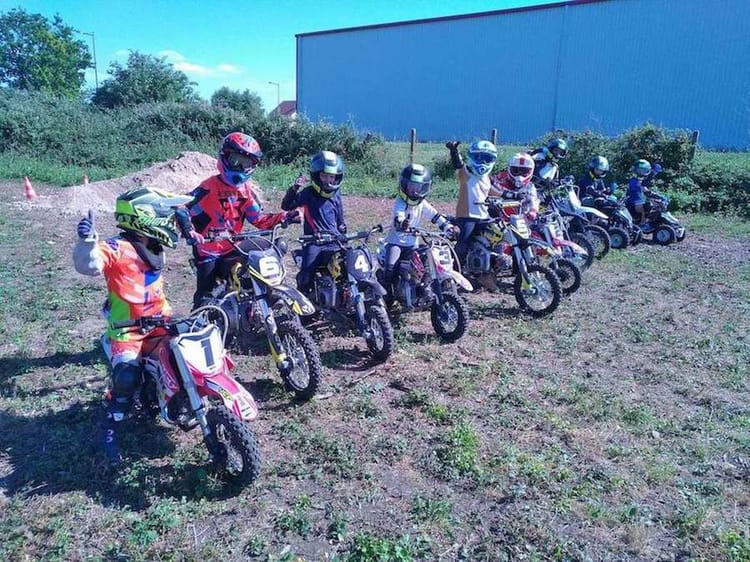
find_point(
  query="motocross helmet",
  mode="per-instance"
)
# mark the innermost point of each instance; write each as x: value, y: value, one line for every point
x: 521, y: 168
x: 150, y: 213
x: 239, y: 155
x: 415, y: 183
x: 482, y: 156
x: 557, y: 149
x: 599, y: 166
x: 330, y: 163
x: 641, y: 168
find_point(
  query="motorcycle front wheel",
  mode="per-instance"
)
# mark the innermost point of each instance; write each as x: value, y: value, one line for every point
x: 543, y: 293
x: 306, y: 369
x: 236, y: 456
x: 450, y: 318
x: 569, y: 275
x: 583, y: 241
x: 380, y: 340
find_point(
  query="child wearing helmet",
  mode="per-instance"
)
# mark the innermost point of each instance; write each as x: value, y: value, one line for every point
x: 409, y: 209
x: 322, y: 209
x: 547, y: 158
x: 514, y: 183
x: 473, y: 188
x: 131, y: 263
x: 635, y: 198
x: 222, y: 203
x: 592, y: 184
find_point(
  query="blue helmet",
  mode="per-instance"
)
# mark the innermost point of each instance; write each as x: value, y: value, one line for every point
x: 599, y: 166
x: 481, y: 157
x: 642, y: 168
x: 556, y: 149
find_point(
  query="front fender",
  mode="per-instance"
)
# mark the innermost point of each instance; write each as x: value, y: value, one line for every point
x: 232, y: 394
x: 299, y: 303
x: 374, y: 285
x: 457, y: 277
x: 592, y: 211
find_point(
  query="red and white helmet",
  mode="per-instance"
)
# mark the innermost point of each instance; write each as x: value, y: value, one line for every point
x: 521, y: 168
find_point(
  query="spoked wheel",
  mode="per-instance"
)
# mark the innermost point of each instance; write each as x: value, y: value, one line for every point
x: 306, y: 371
x: 569, y: 275
x: 380, y: 340
x: 450, y: 318
x: 619, y: 238
x: 600, y: 239
x: 235, y: 450
x: 542, y: 295
x: 583, y: 262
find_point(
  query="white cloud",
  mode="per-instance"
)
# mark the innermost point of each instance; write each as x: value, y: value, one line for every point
x: 229, y: 68
x: 181, y: 63
x: 172, y: 56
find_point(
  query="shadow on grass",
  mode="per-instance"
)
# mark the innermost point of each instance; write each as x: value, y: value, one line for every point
x: 61, y: 451
x: 17, y: 366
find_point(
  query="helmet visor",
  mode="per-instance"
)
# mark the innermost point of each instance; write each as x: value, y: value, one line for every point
x: 416, y: 190
x: 559, y: 152
x: 241, y: 162
x: 483, y: 157
x: 599, y: 172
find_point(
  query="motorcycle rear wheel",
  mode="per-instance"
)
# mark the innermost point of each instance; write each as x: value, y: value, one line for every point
x: 583, y: 241
x: 450, y: 318
x: 380, y: 343
x: 307, y: 371
x: 543, y: 296
x: 238, y: 458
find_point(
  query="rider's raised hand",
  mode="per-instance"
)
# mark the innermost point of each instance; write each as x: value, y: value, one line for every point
x: 86, y: 230
x: 301, y: 181
x: 452, y: 145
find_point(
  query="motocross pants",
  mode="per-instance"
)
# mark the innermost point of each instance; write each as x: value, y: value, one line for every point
x: 468, y: 226
x: 313, y: 257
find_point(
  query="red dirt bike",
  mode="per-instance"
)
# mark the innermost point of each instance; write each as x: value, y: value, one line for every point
x: 188, y: 381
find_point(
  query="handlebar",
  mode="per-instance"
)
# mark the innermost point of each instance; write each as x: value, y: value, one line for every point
x: 328, y: 237
x: 200, y: 317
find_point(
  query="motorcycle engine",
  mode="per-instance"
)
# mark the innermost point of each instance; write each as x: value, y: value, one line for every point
x: 478, y: 259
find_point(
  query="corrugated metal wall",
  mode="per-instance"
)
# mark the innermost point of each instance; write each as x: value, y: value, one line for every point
x: 603, y: 65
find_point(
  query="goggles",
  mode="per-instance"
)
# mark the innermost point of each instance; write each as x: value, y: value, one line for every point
x: 416, y: 190
x: 519, y: 171
x: 241, y: 162
x: 483, y: 157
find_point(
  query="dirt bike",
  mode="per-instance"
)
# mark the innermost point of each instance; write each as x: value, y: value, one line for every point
x: 188, y: 380
x: 426, y: 279
x: 661, y: 225
x: 619, y: 222
x: 579, y: 218
x: 347, y: 288
x: 257, y: 301
x: 502, y: 249
x: 568, y: 255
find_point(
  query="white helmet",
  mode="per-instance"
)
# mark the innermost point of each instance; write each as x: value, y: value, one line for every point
x: 482, y: 156
x: 521, y: 168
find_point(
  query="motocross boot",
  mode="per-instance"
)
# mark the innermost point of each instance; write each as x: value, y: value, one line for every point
x: 114, y: 415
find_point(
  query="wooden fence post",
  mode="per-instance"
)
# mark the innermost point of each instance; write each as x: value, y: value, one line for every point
x: 412, y: 145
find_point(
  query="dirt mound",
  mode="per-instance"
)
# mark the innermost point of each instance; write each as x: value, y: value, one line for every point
x: 178, y: 175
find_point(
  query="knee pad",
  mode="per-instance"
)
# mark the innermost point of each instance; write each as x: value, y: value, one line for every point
x: 126, y: 377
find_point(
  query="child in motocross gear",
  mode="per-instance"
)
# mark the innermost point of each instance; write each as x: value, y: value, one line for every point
x: 410, y: 207
x: 322, y: 211
x: 635, y: 198
x: 222, y: 203
x: 473, y: 188
x: 592, y: 184
x: 546, y: 159
x: 131, y: 264
x: 514, y: 183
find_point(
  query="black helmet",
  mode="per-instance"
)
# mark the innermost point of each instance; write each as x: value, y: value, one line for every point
x: 415, y: 183
x: 327, y: 162
x: 558, y: 148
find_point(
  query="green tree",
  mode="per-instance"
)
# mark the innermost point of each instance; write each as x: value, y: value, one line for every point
x: 36, y: 54
x: 144, y: 78
x: 248, y: 103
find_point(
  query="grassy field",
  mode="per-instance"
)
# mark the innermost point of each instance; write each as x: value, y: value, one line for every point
x: 616, y: 429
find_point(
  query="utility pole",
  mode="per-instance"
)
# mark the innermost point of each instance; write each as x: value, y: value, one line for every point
x: 278, y: 94
x: 93, y: 49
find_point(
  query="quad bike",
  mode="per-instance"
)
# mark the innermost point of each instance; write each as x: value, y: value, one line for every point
x: 619, y: 222
x: 257, y: 301
x: 347, y: 288
x: 661, y: 225
x: 188, y: 381
x: 426, y: 279
x: 503, y: 249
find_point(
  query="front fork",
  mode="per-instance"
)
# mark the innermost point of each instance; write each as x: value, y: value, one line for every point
x: 196, y: 402
x: 272, y: 334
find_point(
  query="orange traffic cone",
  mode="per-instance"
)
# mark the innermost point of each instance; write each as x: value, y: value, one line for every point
x: 28, y: 189
x: 85, y: 181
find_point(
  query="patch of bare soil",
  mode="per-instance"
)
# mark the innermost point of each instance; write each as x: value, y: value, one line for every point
x: 177, y: 175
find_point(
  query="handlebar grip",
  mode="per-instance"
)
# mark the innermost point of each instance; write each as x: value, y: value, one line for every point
x: 126, y: 323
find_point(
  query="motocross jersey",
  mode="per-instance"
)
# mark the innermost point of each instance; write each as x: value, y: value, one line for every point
x: 635, y: 194
x: 218, y: 206
x: 134, y: 287
x: 414, y: 215
x: 320, y: 214
x: 472, y: 193
x: 504, y: 186
x: 544, y: 166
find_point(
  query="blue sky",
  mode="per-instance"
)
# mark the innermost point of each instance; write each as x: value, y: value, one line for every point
x: 241, y: 44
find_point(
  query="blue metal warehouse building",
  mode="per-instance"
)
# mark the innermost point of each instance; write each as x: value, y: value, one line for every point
x: 603, y: 65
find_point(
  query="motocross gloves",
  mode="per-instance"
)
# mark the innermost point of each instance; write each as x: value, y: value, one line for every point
x: 456, y: 160
x: 86, y: 230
